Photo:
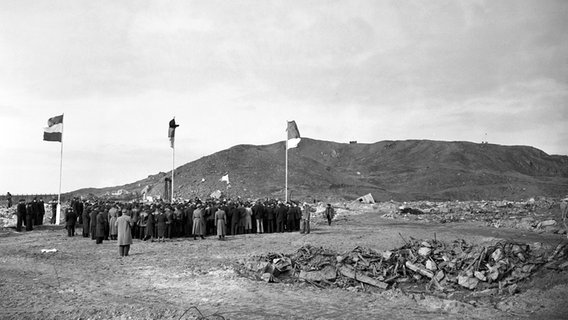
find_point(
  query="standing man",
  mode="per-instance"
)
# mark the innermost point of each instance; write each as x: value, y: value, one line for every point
x: 41, y: 211
x: 29, y: 217
x: 198, y: 222
x: 93, y: 222
x: 53, y: 204
x: 281, y: 211
x: 220, y: 223
x: 9, y: 198
x: 306, y: 213
x: 20, y: 214
x: 291, y: 218
x: 35, y: 212
x: 329, y: 213
x: 100, y: 226
x: 123, y: 224
x: 70, y: 220
x: 86, y: 222
x: 258, y: 211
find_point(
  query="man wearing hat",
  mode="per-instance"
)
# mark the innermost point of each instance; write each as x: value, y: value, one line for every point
x: 70, y: 220
x: 20, y: 214
x: 123, y: 225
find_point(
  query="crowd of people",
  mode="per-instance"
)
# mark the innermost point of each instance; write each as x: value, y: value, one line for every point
x: 103, y: 220
x: 30, y: 214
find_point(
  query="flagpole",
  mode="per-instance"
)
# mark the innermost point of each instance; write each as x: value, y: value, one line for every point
x: 58, y: 210
x: 286, y: 186
x: 173, y: 168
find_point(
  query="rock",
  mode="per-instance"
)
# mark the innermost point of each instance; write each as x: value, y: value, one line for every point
x: 327, y: 273
x: 480, y: 276
x: 497, y: 255
x: 424, y: 251
x: 387, y: 255
x: 440, y: 275
x: 431, y: 265
x: 468, y: 282
x: 267, y: 277
x: 419, y: 269
x: 486, y: 292
x: 547, y: 223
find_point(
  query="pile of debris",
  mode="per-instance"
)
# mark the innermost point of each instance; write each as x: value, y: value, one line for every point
x: 8, y: 217
x: 533, y: 215
x: 436, y: 265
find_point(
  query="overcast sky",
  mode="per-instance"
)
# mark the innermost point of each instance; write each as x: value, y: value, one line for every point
x: 233, y: 72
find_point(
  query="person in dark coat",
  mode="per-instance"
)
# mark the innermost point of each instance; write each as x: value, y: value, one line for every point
x: 29, y: 217
x: 20, y: 214
x: 41, y: 211
x: 70, y: 220
x: 281, y: 211
x: 86, y: 222
x: 258, y: 212
x: 270, y: 218
x: 79, y: 207
x: 35, y: 212
x: 150, y: 227
x: 93, y: 222
x: 100, y: 227
x: 161, y: 222
x: 235, y: 219
x: 291, y: 218
x: 53, y: 204
x: 9, y: 199
x: 329, y: 213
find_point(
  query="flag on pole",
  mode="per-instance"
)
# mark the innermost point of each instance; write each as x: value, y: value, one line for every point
x: 225, y: 178
x: 293, y: 135
x: 54, y: 130
x: 172, y: 131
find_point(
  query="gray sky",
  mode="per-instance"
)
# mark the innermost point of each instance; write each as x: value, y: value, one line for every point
x: 233, y: 72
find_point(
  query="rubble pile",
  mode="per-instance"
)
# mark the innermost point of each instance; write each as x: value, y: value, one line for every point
x: 435, y: 265
x: 533, y: 215
x: 7, y: 217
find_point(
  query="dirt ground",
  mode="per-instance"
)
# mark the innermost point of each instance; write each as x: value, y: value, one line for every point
x: 186, y: 278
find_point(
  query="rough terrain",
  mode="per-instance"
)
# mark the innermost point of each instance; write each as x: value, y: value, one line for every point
x: 186, y: 279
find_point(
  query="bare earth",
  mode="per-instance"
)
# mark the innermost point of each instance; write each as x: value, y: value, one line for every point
x: 186, y: 278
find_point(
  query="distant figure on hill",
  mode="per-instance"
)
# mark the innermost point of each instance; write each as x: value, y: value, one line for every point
x: 329, y: 213
x: 9, y: 198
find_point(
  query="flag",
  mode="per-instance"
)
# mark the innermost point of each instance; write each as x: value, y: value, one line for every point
x: 54, y: 130
x: 172, y: 131
x: 293, y: 135
x: 225, y: 178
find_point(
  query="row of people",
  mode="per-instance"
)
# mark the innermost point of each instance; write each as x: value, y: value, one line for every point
x: 29, y: 214
x: 195, y: 219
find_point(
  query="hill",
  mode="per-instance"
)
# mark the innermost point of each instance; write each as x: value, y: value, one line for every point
x: 399, y: 170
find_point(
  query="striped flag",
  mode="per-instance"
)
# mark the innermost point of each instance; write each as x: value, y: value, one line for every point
x: 54, y: 130
x: 293, y: 135
x: 172, y: 131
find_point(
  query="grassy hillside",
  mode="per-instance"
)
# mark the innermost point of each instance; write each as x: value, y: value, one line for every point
x: 399, y: 170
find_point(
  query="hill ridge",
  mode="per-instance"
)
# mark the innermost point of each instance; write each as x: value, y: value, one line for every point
x: 401, y: 170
